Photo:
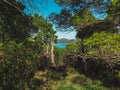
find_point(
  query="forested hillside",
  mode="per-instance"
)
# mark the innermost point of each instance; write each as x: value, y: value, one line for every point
x: 30, y: 61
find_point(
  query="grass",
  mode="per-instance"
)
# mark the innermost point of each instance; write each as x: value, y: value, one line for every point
x: 76, y: 81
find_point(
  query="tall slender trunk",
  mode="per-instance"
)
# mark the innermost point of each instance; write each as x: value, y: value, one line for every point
x: 52, y: 53
x: 46, y: 52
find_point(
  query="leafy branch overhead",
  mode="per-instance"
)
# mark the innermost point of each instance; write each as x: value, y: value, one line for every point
x: 30, y: 61
x: 80, y: 15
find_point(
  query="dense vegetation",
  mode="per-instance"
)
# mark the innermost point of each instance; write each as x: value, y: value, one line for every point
x: 30, y: 61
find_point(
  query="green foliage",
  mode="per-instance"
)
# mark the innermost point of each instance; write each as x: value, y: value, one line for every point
x: 84, y: 17
x: 87, y: 25
x: 103, y: 43
x: 59, y: 55
x: 76, y: 81
x: 46, y: 35
x: 40, y: 23
x: 45, y: 31
x: 73, y: 48
x: 22, y: 55
x: 77, y: 5
x: 113, y: 11
x: 13, y: 24
x: 62, y: 21
x: 18, y: 65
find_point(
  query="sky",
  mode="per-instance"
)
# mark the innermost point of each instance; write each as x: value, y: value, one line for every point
x: 49, y: 7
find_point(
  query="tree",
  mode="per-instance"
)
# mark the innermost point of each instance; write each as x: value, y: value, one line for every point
x: 73, y: 7
x: 113, y: 12
x: 62, y: 21
x: 19, y: 57
x: 77, y: 5
x: 18, y: 64
x: 103, y: 46
x: 14, y: 24
x: 46, y: 35
x: 81, y: 14
x: 82, y: 19
x: 73, y: 48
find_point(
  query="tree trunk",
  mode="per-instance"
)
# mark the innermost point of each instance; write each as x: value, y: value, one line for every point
x: 52, y: 53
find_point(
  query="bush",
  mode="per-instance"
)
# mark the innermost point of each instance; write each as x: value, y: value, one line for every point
x: 18, y: 65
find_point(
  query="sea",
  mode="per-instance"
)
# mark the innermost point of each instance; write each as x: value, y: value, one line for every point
x: 61, y: 44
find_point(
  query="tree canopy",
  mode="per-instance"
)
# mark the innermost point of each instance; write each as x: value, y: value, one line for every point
x: 14, y: 25
x: 30, y: 61
x: 80, y: 15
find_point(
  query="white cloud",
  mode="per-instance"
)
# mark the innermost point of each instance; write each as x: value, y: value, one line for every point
x: 68, y: 35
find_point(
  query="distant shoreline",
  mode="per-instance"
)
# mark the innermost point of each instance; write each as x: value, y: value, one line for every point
x: 64, y: 40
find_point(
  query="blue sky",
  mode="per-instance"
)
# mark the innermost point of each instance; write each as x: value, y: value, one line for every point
x: 49, y: 7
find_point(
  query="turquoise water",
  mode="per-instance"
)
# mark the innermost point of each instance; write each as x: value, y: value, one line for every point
x: 61, y: 45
